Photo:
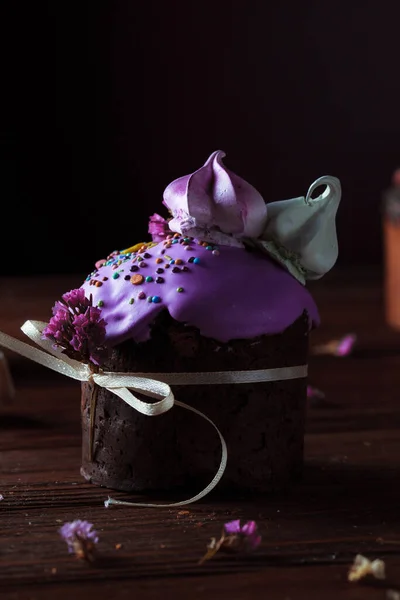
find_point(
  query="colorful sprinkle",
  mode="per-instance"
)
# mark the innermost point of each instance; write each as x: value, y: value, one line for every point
x: 176, y: 270
x: 175, y: 241
x: 168, y: 257
x: 191, y: 259
x: 116, y: 275
x: 149, y: 298
x: 160, y: 270
x: 134, y: 268
x: 159, y: 260
x: 185, y: 269
x: 127, y: 277
x: 100, y: 303
x: 196, y: 260
x: 132, y: 300
x: 98, y: 283
x: 209, y: 247
x: 137, y: 279
x: 178, y: 261
x: 105, y: 278
x: 172, y: 262
x: 156, y: 299
x: 179, y: 289
x: 160, y: 280
x: 142, y: 296
x: 149, y: 279
x: 147, y: 255
x: 188, y: 248
x: 215, y: 252
x: 167, y: 266
x: 143, y: 264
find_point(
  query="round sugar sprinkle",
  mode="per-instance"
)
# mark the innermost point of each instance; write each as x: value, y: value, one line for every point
x: 134, y: 268
x: 149, y: 298
x: 179, y: 289
x: 160, y: 270
x: 149, y: 279
x: 142, y: 296
x: 172, y: 262
x: 215, y: 252
x: 137, y: 279
x: 209, y: 247
x: 191, y: 259
x: 156, y: 299
x: 196, y: 260
x: 160, y: 280
x: 116, y: 275
x: 143, y: 264
x: 174, y: 241
x: 127, y: 277
x: 132, y: 300
x: 100, y: 303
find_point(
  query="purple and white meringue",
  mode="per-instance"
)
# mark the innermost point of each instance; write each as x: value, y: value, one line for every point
x: 213, y: 204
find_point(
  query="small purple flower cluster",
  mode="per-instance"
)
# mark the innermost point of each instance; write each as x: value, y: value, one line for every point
x: 80, y: 538
x: 77, y: 328
x: 234, y: 538
x: 158, y: 228
x: 247, y: 534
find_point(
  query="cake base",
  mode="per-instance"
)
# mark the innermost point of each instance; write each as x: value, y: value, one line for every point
x: 262, y: 423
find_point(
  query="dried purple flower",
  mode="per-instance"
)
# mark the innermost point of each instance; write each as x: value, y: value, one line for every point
x: 77, y: 328
x: 234, y: 538
x: 158, y: 228
x: 80, y: 538
x: 314, y: 393
x: 246, y: 535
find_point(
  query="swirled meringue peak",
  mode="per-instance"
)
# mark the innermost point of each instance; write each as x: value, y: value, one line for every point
x: 215, y: 205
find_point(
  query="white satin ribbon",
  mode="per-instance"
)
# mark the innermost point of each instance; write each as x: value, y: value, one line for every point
x: 152, y: 385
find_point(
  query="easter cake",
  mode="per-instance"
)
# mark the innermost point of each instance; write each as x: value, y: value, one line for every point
x: 219, y: 287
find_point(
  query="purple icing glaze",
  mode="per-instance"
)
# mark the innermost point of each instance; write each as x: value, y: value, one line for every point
x: 232, y: 294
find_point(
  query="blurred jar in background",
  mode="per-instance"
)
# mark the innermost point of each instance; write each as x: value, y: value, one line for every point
x: 391, y: 238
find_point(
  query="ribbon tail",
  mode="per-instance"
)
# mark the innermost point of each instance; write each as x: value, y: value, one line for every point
x: 213, y: 483
x: 39, y: 356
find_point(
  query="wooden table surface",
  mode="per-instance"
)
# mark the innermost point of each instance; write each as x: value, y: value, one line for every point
x: 348, y: 502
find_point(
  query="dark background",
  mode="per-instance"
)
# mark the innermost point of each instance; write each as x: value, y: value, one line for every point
x: 107, y: 102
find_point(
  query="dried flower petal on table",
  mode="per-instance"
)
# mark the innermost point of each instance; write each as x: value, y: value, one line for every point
x: 362, y: 567
x: 314, y: 393
x: 340, y: 347
x: 81, y: 539
x: 234, y: 538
